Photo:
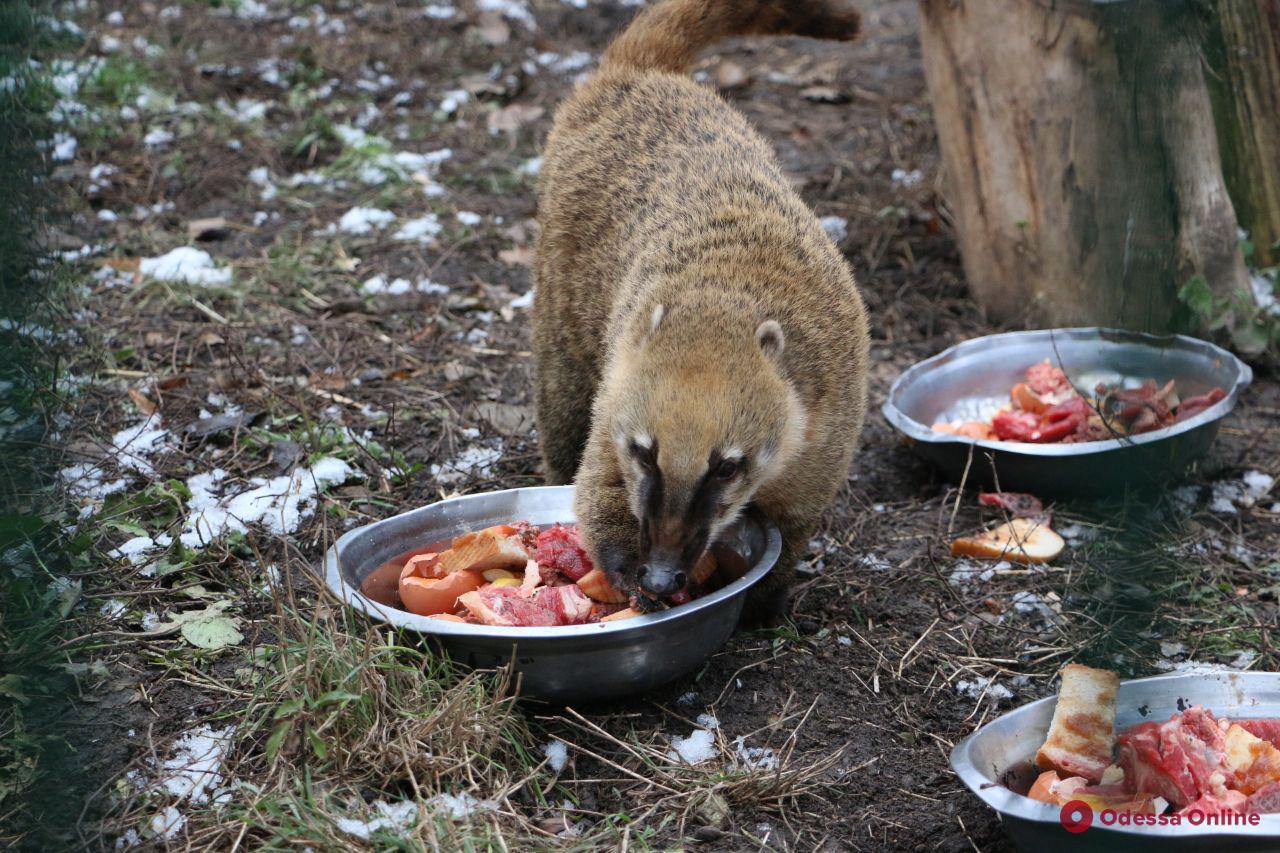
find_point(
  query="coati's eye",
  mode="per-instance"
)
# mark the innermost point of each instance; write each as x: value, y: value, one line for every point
x: 727, y: 470
x: 645, y: 455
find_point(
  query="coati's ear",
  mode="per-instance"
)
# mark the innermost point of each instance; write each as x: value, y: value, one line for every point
x: 770, y: 338
x: 655, y: 320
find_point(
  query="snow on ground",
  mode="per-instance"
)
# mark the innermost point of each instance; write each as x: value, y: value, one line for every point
x: 698, y: 747
x: 973, y: 688
x: 754, y: 757
x: 557, y: 755
x: 279, y: 504
x: 185, y: 264
x: 362, y: 220
x: 837, y: 227
x: 424, y: 229
x: 394, y: 816
x: 472, y: 462
x: 461, y: 806
x: 193, y: 772
x: 135, y: 444
x: 1228, y: 495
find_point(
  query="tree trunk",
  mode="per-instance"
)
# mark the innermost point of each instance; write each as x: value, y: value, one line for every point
x: 1245, y: 58
x: 1081, y: 160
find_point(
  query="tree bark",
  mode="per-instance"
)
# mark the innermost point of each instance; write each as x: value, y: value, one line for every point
x: 1081, y: 159
x: 1245, y: 58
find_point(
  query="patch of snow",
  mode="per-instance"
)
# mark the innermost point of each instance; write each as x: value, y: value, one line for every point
x: 875, y: 563
x: 969, y: 572
x: 186, y: 264
x: 698, y: 747
x: 279, y: 504
x: 244, y: 110
x: 439, y: 12
x: 453, y: 99
x: 194, y: 771
x: 157, y: 137
x: 904, y: 178
x: 461, y: 806
x: 468, y: 218
x: 168, y: 823
x: 532, y: 166
x: 973, y: 688
x: 837, y: 227
x: 136, y: 443
x: 557, y: 755
x: 708, y: 721
x: 472, y: 462
x: 64, y: 147
x: 1264, y: 292
x: 363, y: 220
x: 112, y: 609
x: 1245, y: 492
x: 138, y: 549
x: 400, y: 815
x: 1031, y: 603
x: 90, y: 483
x: 754, y: 757
x: 424, y: 229
x: 1170, y: 650
x: 525, y: 300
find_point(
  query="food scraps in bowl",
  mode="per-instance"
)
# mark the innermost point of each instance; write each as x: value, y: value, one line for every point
x: 1046, y: 408
x: 517, y: 575
x: 1193, y: 762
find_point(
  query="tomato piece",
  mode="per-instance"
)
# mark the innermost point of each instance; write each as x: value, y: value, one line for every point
x: 1016, y: 426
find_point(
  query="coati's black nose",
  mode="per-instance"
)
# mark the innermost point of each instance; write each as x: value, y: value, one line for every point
x: 657, y: 579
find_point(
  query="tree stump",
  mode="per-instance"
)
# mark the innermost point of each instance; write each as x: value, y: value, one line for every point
x: 1081, y: 159
x: 1245, y: 57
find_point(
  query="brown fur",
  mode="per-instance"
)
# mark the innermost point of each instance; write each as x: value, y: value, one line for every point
x: 669, y: 236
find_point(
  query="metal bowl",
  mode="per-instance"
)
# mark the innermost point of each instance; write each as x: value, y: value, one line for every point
x: 971, y: 380
x: 1000, y: 755
x: 571, y: 663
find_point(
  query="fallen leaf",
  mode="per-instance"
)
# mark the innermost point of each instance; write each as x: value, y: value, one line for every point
x: 505, y: 418
x: 143, y: 402
x: 517, y: 256
x: 213, y: 633
x: 493, y: 29
x: 210, y: 339
x: 512, y: 117
x: 213, y: 228
x: 825, y: 95
x: 731, y: 75
x: 284, y: 455
x: 455, y: 371
x: 328, y: 381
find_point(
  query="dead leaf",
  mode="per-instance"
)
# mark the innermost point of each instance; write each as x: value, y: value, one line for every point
x: 517, y: 256
x: 154, y: 339
x: 210, y: 339
x: 213, y: 228
x: 493, y: 28
x: 731, y: 75
x: 328, y: 381
x: 171, y: 382
x: 143, y: 402
x: 512, y: 117
x: 121, y: 264
x: 505, y: 418
x: 825, y: 95
x: 456, y: 371
x: 216, y: 424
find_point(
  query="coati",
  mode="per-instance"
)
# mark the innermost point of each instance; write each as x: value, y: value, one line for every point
x: 700, y: 342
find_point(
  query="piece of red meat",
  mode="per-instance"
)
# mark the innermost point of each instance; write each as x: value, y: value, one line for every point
x: 560, y: 551
x: 1064, y: 419
x: 1044, y: 378
x: 1265, y: 800
x: 1193, y: 406
x: 1229, y: 802
x: 1176, y: 759
x: 507, y: 606
x: 568, y: 603
x: 1265, y: 728
x: 1017, y: 504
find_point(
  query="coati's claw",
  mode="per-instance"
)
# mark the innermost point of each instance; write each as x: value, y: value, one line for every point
x: 645, y: 604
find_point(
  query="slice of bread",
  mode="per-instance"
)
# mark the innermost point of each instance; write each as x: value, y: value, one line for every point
x: 1082, y: 735
x: 1022, y: 540
x: 491, y: 548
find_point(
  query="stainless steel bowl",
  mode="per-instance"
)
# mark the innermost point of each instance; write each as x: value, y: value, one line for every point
x: 572, y: 663
x: 972, y: 379
x: 1000, y: 754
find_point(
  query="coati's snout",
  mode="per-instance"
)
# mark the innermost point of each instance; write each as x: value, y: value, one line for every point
x: 696, y: 438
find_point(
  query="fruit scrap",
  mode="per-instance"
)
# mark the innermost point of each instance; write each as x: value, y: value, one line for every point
x: 1016, y: 504
x: 629, y: 613
x: 596, y: 585
x: 1021, y: 540
x: 430, y: 596
x: 498, y: 547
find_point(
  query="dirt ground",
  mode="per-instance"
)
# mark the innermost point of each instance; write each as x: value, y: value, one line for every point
x: 313, y: 350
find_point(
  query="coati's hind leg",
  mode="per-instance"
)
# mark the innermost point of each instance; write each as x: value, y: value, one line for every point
x: 565, y: 389
x: 769, y: 601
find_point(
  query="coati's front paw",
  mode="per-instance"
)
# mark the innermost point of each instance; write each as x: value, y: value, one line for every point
x: 765, y: 608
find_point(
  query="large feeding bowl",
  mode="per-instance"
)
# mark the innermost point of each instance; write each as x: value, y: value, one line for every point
x: 970, y: 381
x: 565, y: 664
x: 999, y: 756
